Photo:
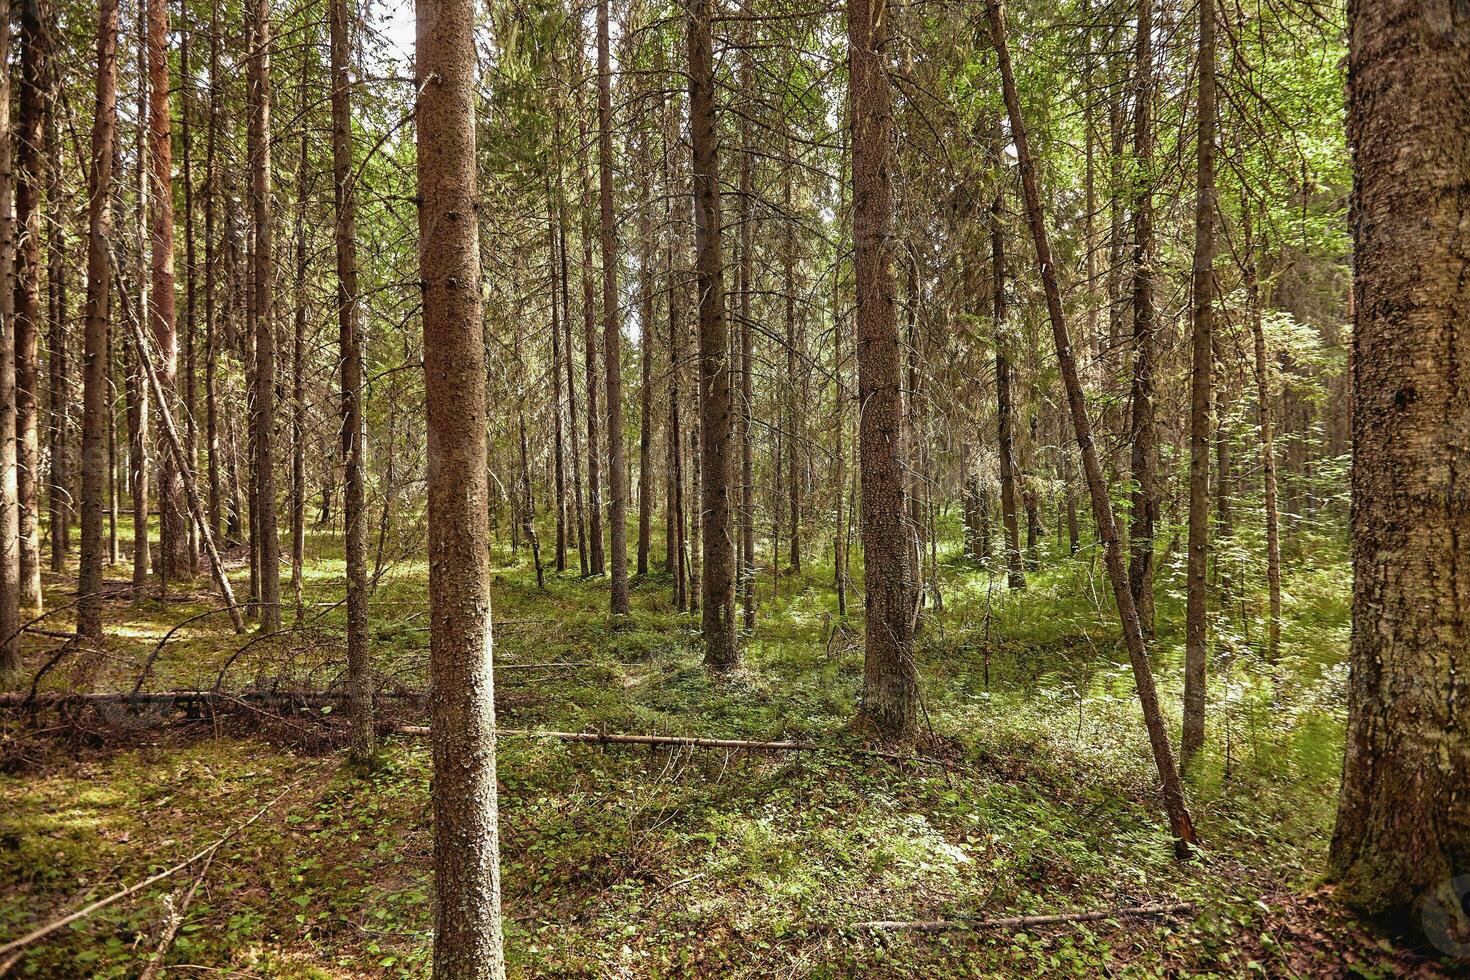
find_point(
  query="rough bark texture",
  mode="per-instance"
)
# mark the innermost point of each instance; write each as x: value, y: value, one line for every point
x: 1142, y: 436
x: 747, y: 371
x: 715, y: 427
x: 1005, y: 414
x: 29, y: 146
x: 467, y: 939
x: 1403, y: 825
x: 354, y: 421
x: 589, y: 338
x: 262, y: 326
x: 60, y: 504
x: 612, y: 343
x: 1180, y: 824
x: 1202, y: 325
x: 890, y: 678
x: 9, y: 518
x: 173, y: 552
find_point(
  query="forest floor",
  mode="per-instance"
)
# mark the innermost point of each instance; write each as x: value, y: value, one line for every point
x: 625, y: 861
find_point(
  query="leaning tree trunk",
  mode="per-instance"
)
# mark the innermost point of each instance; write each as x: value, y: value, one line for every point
x: 1202, y: 296
x: 1403, y: 821
x: 1180, y: 823
x: 890, y: 679
x: 467, y: 937
x: 612, y: 345
x: 715, y: 426
x: 354, y: 420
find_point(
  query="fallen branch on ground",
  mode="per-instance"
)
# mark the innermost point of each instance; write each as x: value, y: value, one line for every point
x: 117, y: 896
x: 688, y: 741
x: 1018, y: 921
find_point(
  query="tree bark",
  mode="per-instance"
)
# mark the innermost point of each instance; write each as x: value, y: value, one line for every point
x: 558, y: 442
x: 890, y: 678
x: 1180, y: 824
x: 715, y: 428
x: 1403, y: 823
x: 10, y: 662
x: 589, y: 332
x: 1202, y: 326
x: 61, y: 503
x: 1268, y: 448
x: 96, y: 396
x: 29, y: 181
x: 612, y: 343
x: 467, y: 940
x: 354, y: 420
x: 1005, y: 413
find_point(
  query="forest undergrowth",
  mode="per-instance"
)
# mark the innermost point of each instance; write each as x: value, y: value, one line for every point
x: 624, y: 861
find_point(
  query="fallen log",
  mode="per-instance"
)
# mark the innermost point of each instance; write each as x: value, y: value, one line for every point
x: 1017, y: 921
x: 691, y: 741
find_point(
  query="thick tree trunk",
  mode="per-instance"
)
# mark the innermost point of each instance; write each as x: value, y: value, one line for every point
x: 29, y: 181
x: 715, y: 425
x: 9, y: 516
x: 262, y: 328
x: 612, y: 343
x: 1202, y: 325
x: 1180, y: 824
x: 890, y: 678
x: 1143, y: 438
x: 96, y: 396
x: 467, y: 937
x: 1403, y: 822
x: 354, y: 420
x: 173, y: 534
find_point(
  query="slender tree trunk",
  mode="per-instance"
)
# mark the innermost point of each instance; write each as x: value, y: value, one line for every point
x: 1403, y: 820
x: 612, y: 344
x: 10, y: 662
x: 566, y: 326
x: 645, y: 359
x: 211, y: 273
x: 1143, y: 437
x: 682, y: 584
x: 1005, y: 413
x: 96, y: 349
x: 558, y: 443
x: 354, y: 421
x: 715, y: 427
x: 135, y: 391
x: 840, y: 397
x: 747, y: 364
x: 589, y: 332
x: 790, y: 399
x: 191, y: 284
x: 173, y: 551
x: 263, y: 327
x: 467, y: 940
x: 1180, y: 824
x: 1268, y: 448
x: 890, y: 678
x: 29, y: 184
x: 298, y: 361
x: 59, y: 368
x: 1203, y: 294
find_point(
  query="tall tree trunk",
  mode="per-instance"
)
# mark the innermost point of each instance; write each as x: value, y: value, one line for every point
x: 58, y: 366
x: 173, y: 533
x: 1403, y: 820
x: 298, y: 359
x: 1005, y: 412
x: 589, y: 336
x: 211, y: 274
x: 467, y: 937
x: 29, y: 183
x: 9, y: 507
x: 135, y: 389
x: 1180, y: 824
x: 840, y: 396
x: 645, y: 360
x: 354, y: 420
x: 191, y: 283
x: 1268, y: 447
x: 566, y: 326
x: 612, y: 344
x: 715, y: 428
x: 890, y: 678
x: 747, y: 361
x: 790, y: 399
x: 558, y: 442
x: 96, y: 396
x: 1143, y: 437
x: 1202, y: 325
x: 677, y: 509
x: 262, y: 328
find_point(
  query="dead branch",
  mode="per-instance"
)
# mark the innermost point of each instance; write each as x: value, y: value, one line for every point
x: 1019, y: 921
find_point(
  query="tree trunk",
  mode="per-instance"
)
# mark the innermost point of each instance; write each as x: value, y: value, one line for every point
x: 645, y: 360
x: 1180, y: 824
x: 467, y: 939
x: 1005, y: 413
x: 191, y: 283
x: 173, y: 533
x: 715, y: 428
x: 589, y: 332
x: 890, y: 679
x: 612, y: 343
x: 263, y: 327
x: 1143, y: 438
x: 1268, y: 448
x: 354, y: 422
x: 58, y: 367
x: 96, y: 396
x: 1403, y: 821
x: 29, y: 180
x: 298, y: 361
x: 840, y: 396
x: 1202, y: 295
x: 211, y: 273
x: 558, y: 443
x: 9, y: 517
